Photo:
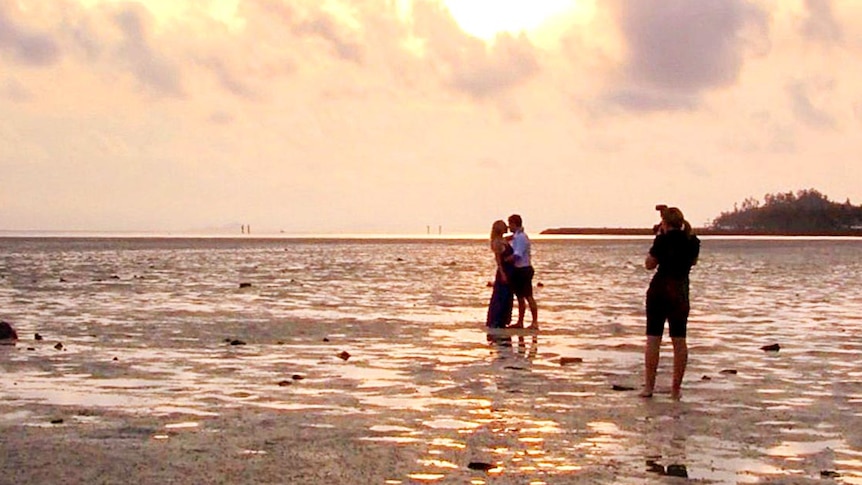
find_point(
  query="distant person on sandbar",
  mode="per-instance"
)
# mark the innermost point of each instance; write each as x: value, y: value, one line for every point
x: 500, y: 306
x: 674, y: 251
x: 522, y: 275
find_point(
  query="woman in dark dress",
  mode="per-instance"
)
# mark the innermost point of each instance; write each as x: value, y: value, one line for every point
x: 674, y: 251
x: 500, y: 306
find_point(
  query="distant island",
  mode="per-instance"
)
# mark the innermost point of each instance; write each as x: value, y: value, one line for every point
x: 804, y: 213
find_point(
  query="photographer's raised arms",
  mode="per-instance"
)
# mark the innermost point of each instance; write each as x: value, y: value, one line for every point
x: 674, y: 251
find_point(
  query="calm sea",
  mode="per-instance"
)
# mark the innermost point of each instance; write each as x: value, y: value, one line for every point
x: 146, y: 323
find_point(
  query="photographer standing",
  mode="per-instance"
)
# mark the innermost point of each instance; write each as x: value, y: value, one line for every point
x: 674, y: 251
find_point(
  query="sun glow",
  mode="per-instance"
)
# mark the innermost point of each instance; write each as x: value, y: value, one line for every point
x: 487, y: 18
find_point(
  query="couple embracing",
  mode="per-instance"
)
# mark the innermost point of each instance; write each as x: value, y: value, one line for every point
x: 514, y: 275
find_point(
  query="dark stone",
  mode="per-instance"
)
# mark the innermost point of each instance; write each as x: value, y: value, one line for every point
x: 676, y: 471
x: 489, y: 284
x: 57, y: 421
x: 297, y: 377
x: 479, y: 465
x: 59, y: 346
x: 570, y: 360
x: 706, y: 378
x: 325, y: 339
x: 771, y: 348
x: 38, y: 337
x: 237, y: 342
x: 729, y: 371
x: 115, y: 277
x: 618, y: 387
x: 654, y: 467
x: 245, y: 285
x: 7, y: 332
x: 540, y: 285
x: 115, y: 358
x: 284, y: 383
x: 344, y: 355
x: 829, y: 474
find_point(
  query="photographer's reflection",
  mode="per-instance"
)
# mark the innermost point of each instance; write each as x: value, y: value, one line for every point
x: 665, y: 442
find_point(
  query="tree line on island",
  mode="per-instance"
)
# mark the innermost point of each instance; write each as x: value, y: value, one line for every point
x: 805, y: 212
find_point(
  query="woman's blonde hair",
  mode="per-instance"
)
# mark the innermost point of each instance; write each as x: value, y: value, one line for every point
x: 498, y: 228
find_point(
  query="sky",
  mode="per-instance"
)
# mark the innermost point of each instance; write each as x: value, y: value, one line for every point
x: 393, y: 116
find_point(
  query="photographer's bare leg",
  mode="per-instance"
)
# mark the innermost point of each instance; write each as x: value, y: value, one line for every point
x: 680, y: 360
x: 651, y: 357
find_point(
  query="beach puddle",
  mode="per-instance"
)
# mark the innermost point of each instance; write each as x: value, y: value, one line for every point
x: 390, y: 429
x: 451, y: 424
x: 183, y: 425
x: 426, y: 477
x: 393, y: 439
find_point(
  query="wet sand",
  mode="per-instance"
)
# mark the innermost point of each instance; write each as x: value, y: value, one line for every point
x: 426, y: 406
x: 147, y: 387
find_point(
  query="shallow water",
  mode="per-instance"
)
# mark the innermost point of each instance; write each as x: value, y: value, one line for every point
x: 146, y: 324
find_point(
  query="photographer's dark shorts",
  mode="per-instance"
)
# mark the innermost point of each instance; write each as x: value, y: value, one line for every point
x: 667, y: 299
x: 522, y: 281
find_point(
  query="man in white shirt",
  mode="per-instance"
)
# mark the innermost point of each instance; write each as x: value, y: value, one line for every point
x: 522, y: 276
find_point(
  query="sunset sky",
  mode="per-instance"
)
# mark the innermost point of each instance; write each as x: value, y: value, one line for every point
x: 388, y: 116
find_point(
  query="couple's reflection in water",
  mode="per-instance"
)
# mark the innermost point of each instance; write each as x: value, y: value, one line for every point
x: 514, y: 344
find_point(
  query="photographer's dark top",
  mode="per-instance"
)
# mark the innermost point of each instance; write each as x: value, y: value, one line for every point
x: 676, y: 253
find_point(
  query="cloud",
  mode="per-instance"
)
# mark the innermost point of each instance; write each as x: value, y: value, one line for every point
x: 229, y: 78
x: 804, y: 107
x: 469, y: 65
x: 646, y: 100
x: 150, y: 68
x: 221, y: 118
x: 678, y: 49
x: 25, y: 45
x: 292, y: 21
x: 820, y: 23
x: 14, y: 90
x: 325, y: 27
x: 509, y: 62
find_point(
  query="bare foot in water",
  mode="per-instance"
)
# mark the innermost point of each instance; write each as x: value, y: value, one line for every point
x: 534, y: 326
x: 516, y: 325
x: 645, y: 394
x: 676, y: 394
